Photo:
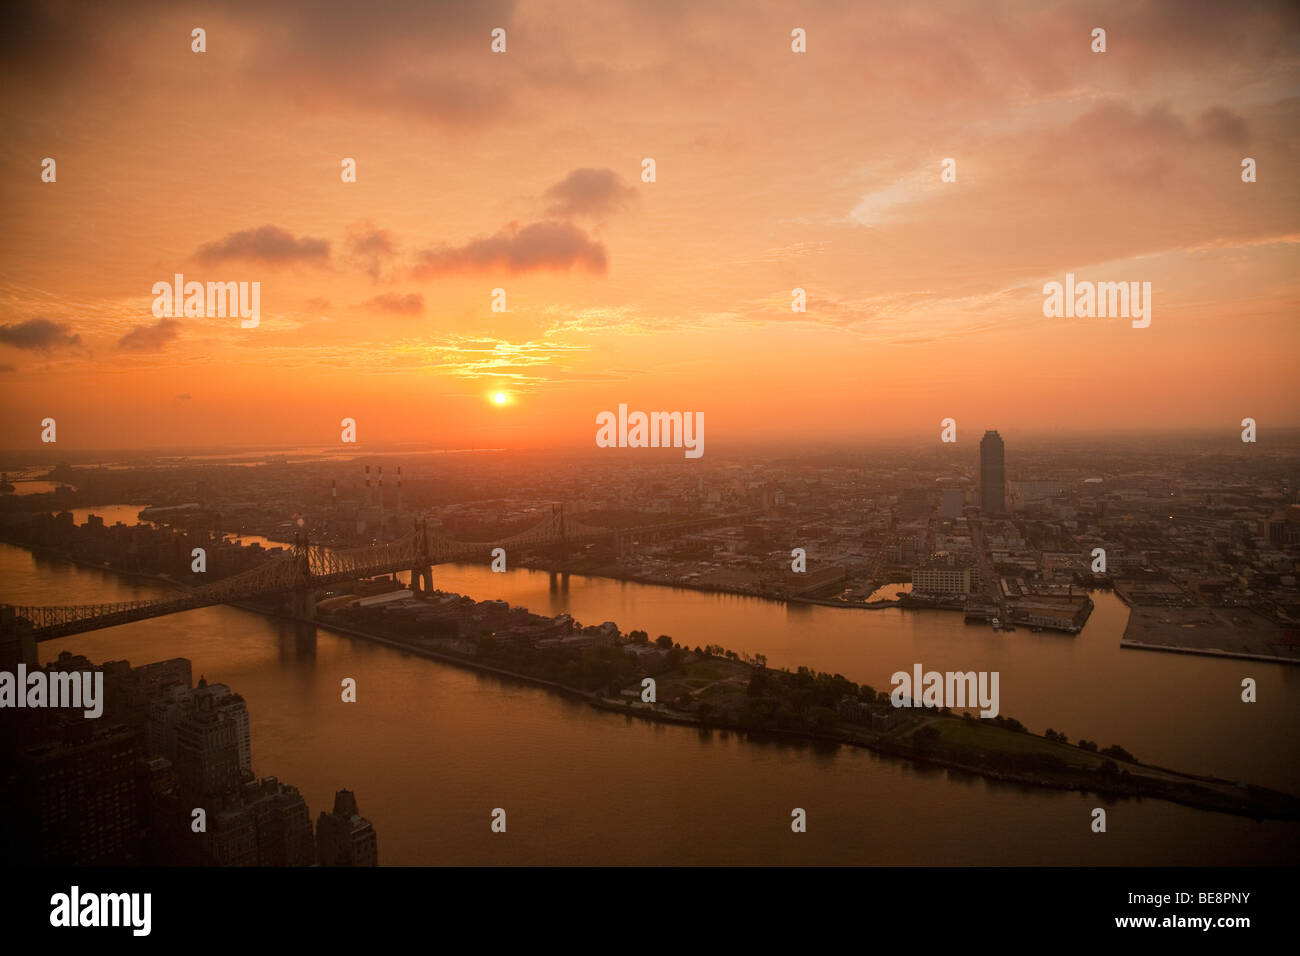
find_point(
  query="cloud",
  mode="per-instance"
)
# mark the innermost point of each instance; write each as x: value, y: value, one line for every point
x: 542, y: 245
x: 40, y: 335
x: 6, y: 369
x: 589, y: 192
x: 183, y: 397
x: 421, y: 58
x: 1220, y: 125
x: 412, y: 304
x: 370, y: 249
x: 269, y: 245
x: 150, y: 338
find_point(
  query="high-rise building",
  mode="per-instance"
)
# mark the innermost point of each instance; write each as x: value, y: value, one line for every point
x: 77, y: 798
x: 205, y: 733
x: 993, y: 474
x: 345, y: 837
x: 282, y: 822
x: 208, y: 737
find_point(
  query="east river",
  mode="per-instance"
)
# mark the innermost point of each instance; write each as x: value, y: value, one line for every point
x: 430, y: 749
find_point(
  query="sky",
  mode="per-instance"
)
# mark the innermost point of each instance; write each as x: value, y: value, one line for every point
x: 522, y: 171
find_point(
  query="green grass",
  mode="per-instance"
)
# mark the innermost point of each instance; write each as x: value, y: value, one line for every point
x: 990, y: 738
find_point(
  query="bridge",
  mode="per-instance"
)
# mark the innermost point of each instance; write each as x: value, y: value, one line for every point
x: 308, y: 568
x: 25, y: 474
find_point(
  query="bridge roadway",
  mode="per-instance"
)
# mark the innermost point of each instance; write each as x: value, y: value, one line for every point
x: 308, y: 568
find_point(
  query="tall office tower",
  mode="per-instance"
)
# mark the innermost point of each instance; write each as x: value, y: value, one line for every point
x: 399, y: 489
x: 345, y: 837
x: 212, y: 740
x: 381, y: 487
x: 169, y: 713
x: 367, y: 486
x: 75, y: 799
x: 232, y: 707
x: 993, y: 474
x: 282, y: 822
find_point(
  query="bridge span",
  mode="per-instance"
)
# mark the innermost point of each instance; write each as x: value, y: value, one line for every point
x: 308, y: 568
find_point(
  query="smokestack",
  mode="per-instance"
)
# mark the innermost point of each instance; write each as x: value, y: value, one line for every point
x: 381, y: 487
x: 367, y: 486
x: 399, y: 488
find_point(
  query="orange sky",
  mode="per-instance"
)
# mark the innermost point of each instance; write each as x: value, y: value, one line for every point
x: 522, y: 171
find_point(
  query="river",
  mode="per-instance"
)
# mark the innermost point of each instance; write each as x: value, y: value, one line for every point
x: 431, y: 749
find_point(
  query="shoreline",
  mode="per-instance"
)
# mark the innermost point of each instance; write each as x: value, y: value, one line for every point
x: 883, y: 745
x: 1207, y: 652
x: 1127, y: 643
x: 880, y: 744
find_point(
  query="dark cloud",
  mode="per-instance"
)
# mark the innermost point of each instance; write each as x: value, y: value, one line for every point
x: 370, y: 249
x: 1220, y: 125
x: 269, y: 245
x: 542, y: 245
x: 589, y: 192
x: 40, y: 335
x: 422, y: 58
x: 150, y: 338
x: 412, y: 304
x: 184, y: 397
x: 6, y: 369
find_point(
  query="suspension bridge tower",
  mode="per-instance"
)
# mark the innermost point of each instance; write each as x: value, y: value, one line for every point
x: 303, y: 595
x: 422, y: 569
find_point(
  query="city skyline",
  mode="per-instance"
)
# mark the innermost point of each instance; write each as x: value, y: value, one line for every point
x: 522, y: 171
x: 468, y: 434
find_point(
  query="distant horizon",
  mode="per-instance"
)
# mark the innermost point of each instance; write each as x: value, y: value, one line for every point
x: 897, y: 441
x: 986, y: 217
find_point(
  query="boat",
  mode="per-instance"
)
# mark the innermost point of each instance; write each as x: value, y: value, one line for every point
x: 996, y: 624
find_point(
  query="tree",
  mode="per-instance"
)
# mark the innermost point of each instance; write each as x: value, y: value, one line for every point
x: 1119, y: 753
x: 639, y: 637
x: 823, y: 718
x: 664, y: 641
x: 927, y: 737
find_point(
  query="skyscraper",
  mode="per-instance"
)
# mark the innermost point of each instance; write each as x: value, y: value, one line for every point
x: 345, y: 837
x: 993, y: 474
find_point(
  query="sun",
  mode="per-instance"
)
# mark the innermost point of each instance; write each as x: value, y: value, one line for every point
x: 500, y: 398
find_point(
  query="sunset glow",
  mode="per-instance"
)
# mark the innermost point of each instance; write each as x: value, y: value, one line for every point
x: 522, y: 172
